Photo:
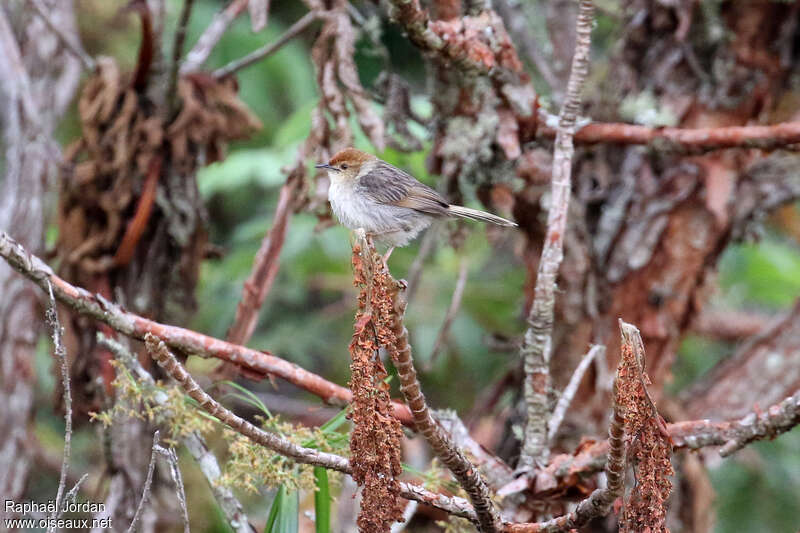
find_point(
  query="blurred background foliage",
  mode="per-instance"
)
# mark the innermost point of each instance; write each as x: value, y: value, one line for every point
x: 307, y: 318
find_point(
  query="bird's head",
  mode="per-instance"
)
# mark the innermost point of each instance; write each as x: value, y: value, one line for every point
x: 347, y: 164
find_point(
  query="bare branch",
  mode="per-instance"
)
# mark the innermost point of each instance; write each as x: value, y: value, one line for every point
x: 570, y: 390
x: 172, y: 458
x: 394, y: 337
x: 415, y: 270
x: 265, y: 268
x: 60, y: 353
x: 147, y: 483
x: 762, y: 137
x: 211, y: 36
x: 536, y: 347
x: 736, y: 434
x: 455, y: 304
x: 258, y: 362
x: 265, y: 51
x: 514, y: 15
x: 74, y: 47
x: 729, y: 325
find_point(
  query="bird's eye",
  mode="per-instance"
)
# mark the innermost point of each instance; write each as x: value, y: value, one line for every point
x: 344, y: 166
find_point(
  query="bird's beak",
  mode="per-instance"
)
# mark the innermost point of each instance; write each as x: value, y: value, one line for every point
x: 326, y: 165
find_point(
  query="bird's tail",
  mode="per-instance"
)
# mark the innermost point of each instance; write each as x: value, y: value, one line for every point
x: 481, y: 216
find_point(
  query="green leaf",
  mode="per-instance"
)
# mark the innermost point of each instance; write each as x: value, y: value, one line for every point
x: 335, y: 423
x: 283, y: 513
x: 322, y: 500
x: 247, y: 396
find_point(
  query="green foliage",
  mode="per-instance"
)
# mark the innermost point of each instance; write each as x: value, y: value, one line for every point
x: 322, y: 501
x: 763, y: 274
x: 283, y: 513
x: 157, y: 404
x: 757, y: 488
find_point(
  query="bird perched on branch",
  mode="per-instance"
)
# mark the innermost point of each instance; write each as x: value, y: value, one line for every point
x: 386, y: 202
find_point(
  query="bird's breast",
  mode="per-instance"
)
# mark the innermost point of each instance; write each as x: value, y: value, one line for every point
x: 352, y: 208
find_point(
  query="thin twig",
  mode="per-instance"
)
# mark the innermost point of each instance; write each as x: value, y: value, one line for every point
x: 60, y: 353
x: 194, y: 441
x: 415, y: 271
x: 211, y: 36
x: 74, y: 47
x: 455, y: 304
x: 537, y: 346
x: 514, y: 15
x: 147, y: 483
x: 266, y: 50
x: 172, y: 458
x: 72, y: 495
x: 265, y: 269
x: 570, y: 390
x: 278, y: 444
x: 177, y: 51
x: 439, y: 440
x: 258, y: 362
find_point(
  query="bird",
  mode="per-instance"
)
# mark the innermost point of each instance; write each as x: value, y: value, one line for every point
x: 386, y: 202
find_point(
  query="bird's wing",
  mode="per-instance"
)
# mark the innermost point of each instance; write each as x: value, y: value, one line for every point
x: 387, y: 184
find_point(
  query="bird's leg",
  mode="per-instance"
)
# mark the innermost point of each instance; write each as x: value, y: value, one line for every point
x: 386, y: 257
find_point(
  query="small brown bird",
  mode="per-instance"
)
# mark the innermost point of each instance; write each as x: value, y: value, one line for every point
x: 389, y: 204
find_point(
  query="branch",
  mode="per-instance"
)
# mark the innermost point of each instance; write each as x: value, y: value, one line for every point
x: 185, y: 340
x: 175, y: 471
x: 394, y: 337
x: 211, y: 36
x: 569, y: 469
x: 729, y: 325
x: 515, y: 17
x: 147, y: 482
x: 737, y: 434
x: 60, y: 352
x: 159, y: 351
x: 278, y: 444
x: 762, y: 137
x: 455, y: 303
x: 194, y: 442
x: 265, y: 268
x: 600, y: 500
x: 265, y: 51
x: 536, y: 347
x: 177, y: 51
x: 570, y: 390
x: 74, y: 47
